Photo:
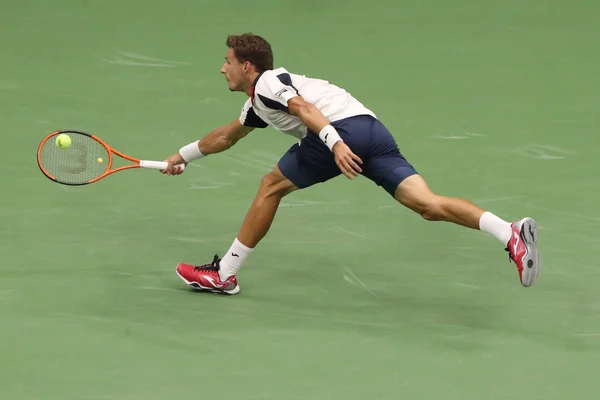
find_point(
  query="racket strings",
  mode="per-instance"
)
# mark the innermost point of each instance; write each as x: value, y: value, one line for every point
x: 84, y: 160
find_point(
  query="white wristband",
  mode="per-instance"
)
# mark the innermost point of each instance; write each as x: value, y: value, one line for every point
x: 190, y: 152
x: 329, y: 136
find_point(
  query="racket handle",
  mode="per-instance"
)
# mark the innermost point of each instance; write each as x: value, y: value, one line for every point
x: 157, y: 164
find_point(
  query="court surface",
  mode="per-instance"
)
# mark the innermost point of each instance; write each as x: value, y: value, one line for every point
x: 350, y: 296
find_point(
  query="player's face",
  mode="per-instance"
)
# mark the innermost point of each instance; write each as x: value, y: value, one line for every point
x: 234, y: 72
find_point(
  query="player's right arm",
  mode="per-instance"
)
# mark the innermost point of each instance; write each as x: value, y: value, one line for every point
x: 223, y: 138
x: 220, y: 139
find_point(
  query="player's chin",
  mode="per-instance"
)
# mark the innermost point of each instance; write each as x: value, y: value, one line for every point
x: 233, y: 87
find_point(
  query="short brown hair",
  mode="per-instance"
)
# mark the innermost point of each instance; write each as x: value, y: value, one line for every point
x: 252, y: 48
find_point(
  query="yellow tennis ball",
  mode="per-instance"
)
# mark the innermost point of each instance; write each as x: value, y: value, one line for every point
x: 99, y: 159
x: 63, y: 141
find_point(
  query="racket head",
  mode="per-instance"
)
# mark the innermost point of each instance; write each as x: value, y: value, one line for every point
x: 87, y: 159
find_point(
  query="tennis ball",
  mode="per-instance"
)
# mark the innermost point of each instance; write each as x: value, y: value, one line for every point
x: 63, y: 141
x: 99, y: 159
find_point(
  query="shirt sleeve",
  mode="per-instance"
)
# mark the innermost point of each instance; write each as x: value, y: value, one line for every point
x: 249, y: 118
x: 274, y: 91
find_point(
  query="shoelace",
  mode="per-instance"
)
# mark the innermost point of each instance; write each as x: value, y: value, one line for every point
x: 510, y: 257
x: 213, y: 266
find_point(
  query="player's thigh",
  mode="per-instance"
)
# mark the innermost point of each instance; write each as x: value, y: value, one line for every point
x: 308, y: 162
x: 385, y: 165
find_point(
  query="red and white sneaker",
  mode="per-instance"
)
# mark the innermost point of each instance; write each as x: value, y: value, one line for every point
x: 205, y: 278
x: 522, y: 249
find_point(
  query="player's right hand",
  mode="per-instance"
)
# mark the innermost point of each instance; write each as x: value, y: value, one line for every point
x: 172, y: 168
x: 346, y: 160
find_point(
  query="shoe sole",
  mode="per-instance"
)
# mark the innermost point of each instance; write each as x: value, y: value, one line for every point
x: 531, y: 261
x: 198, y: 287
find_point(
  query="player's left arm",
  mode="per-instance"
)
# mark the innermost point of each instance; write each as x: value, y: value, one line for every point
x: 314, y: 119
x: 310, y: 116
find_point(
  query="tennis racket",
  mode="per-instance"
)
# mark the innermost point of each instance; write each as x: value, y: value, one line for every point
x: 87, y: 160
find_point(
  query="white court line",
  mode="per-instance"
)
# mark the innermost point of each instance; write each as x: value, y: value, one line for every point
x: 142, y: 57
x: 193, y: 240
x: 197, y: 165
x: 466, y: 285
x: 498, y: 199
x: 208, y: 100
x: 466, y: 135
x: 475, y: 134
x: 261, y: 163
x: 147, y: 288
x: 329, y: 242
x: 138, y: 60
x: 359, y: 281
x: 539, y: 151
x: 341, y: 230
x: 452, y: 137
x: 200, y: 187
x: 269, y: 157
x: 135, y: 63
x: 566, y: 214
x: 204, y: 241
x: 245, y: 163
x: 96, y: 318
x: 121, y: 273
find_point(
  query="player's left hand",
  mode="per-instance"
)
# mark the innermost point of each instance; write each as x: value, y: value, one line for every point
x: 172, y: 169
x: 346, y: 160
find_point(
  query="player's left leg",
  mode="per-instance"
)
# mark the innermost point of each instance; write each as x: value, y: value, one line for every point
x: 414, y: 193
x: 519, y: 238
x: 389, y: 169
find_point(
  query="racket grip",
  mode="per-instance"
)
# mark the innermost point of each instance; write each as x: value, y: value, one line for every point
x: 157, y: 164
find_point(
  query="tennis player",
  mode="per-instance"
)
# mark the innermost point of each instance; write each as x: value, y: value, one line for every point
x: 336, y: 134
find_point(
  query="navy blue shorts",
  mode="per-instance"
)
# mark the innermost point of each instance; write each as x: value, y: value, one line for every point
x: 311, y: 161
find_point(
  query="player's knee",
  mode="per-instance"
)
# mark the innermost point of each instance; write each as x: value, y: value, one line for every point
x: 431, y: 209
x: 433, y: 212
x: 275, y: 184
x: 414, y: 193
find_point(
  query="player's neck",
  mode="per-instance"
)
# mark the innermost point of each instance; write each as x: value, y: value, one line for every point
x: 251, y: 78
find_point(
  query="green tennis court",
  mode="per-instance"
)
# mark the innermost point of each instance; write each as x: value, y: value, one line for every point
x: 350, y: 295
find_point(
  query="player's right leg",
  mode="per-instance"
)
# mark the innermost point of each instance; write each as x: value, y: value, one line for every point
x: 302, y: 166
x: 219, y: 276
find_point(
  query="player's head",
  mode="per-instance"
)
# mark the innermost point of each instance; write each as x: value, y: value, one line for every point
x: 247, y: 55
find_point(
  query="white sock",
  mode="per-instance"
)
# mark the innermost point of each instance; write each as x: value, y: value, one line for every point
x: 233, y: 260
x: 495, y: 226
